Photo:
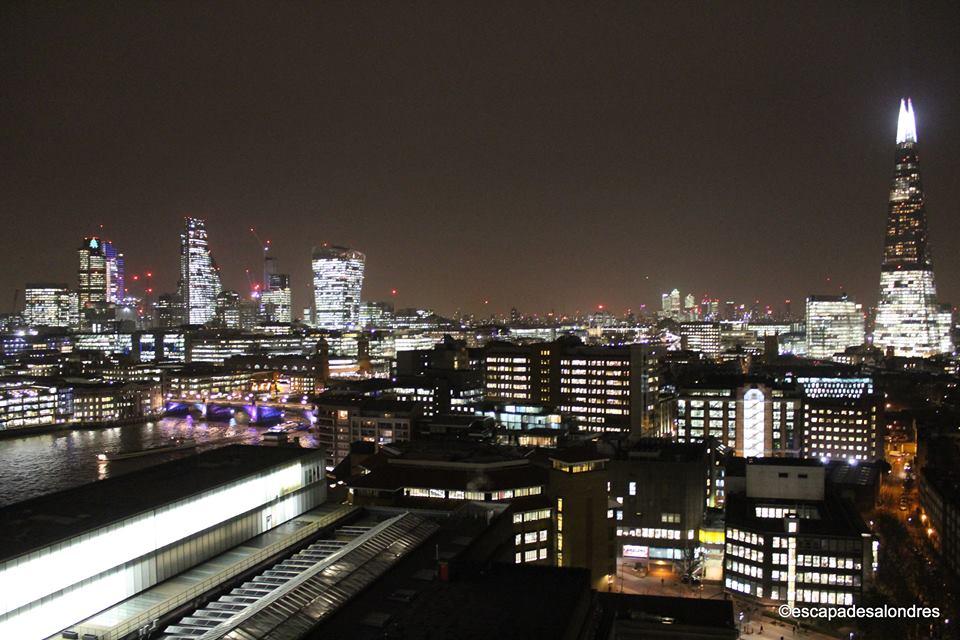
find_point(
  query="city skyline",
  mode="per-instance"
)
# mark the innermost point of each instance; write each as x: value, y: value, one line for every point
x: 470, y: 188
x: 464, y: 320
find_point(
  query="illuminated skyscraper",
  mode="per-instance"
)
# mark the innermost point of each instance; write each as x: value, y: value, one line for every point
x: 670, y: 305
x: 908, y: 316
x: 100, y: 277
x: 833, y: 324
x: 92, y: 276
x: 275, y: 299
x: 337, y: 281
x: 116, y: 289
x: 199, y: 275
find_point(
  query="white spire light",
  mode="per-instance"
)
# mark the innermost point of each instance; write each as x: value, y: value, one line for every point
x: 906, y: 123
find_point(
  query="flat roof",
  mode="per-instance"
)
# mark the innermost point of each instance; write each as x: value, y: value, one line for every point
x: 39, y: 522
x: 675, y: 615
x: 395, y: 476
x: 837, y: 518
x: 504, y: 601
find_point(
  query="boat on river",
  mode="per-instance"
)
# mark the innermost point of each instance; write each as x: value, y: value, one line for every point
x: 178, y: 444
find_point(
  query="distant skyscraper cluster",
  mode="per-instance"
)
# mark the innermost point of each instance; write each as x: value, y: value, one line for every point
x: 909, y: 320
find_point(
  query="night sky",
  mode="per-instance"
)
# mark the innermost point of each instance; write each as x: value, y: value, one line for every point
x: 544, y: 156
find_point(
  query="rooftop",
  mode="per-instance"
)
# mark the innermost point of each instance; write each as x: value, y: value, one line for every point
x: 39, y: 522
x: 505, y: 601
x: 683, y: 617
x: 836, y: 517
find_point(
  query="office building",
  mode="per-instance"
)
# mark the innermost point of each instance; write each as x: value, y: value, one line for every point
x: 841, y: 418
x: 670, y: 305
x: 50, y: 305
x: 232, y: 311
x: 376, y: 315
x: 602, y: 389
x: 908, y: 318
x: 95, y: 275
x: 703, y: 337
x: 558, y: 498
x: 337, y: 282
x: 199, y: 275
x: 790, y: 540
x: 276, y: 301
x: 659, y: 491
x: 342, y: 421
x: 833, y: 324
x: 750, y: 418
x: 169, y: 311
x: 29, y: 402
x: 940, y: 501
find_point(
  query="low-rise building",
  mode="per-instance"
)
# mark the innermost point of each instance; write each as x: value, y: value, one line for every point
x: 790, y: 540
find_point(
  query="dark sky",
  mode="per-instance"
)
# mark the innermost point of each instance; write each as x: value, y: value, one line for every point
x: 543, y: 155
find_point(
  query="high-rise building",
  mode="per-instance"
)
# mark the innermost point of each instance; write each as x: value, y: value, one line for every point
x: 116, y: 267
x: 49, y: 305
x: 670, y: 304
x: 833, y: 324
x: 93, y: 280
x: 199, y: 275
x: 168, y: 311
x: 908, y: 316
x: 337, y: 281
x: 100, y: 277
x: 275, y: 299
x: 235, y: 312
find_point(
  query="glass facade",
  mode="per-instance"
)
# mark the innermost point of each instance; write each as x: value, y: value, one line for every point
x: 833, y: 324
x: 337, y: 282
x: 199, y: 275
x: 908, y: 317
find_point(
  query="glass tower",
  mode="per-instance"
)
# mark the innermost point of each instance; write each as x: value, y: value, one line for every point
x: 909, y: 320
x: 833, y: 324
x: 199, y: 275
x: 337, y: 281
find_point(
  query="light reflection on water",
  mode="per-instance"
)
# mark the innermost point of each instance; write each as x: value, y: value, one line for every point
x: 36, y: 464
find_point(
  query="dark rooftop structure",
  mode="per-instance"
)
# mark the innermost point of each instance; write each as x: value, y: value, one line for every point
x: 503, y: 601
x: 835, y: 517
x: 652, y: 617
x: 41, y: 521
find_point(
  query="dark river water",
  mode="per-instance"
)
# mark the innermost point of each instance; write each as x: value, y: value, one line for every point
x: 33, y: 465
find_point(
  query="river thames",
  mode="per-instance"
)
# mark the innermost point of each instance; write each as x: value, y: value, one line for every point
x: 36, y: 464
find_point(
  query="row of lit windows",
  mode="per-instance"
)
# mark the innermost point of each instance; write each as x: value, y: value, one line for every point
x: 746, y: 569
x: 743, y: 536
x: 651, y: 532
x: 507, y: 494
x: 530, y: 516
x: 745, y: 552
x: 530, y: 556
x: 530, y: 537
x: 831, y: 562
